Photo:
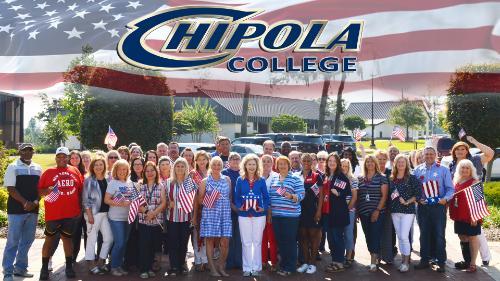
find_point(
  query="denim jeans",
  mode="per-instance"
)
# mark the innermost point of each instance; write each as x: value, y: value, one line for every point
x: 234, y: 257
x: 336, y: 240
x: 120, y: 230
x: 372, y: 231
x: 349, y: 231
x: 21, y: 235
x: 432, y: 223
x: 285, y: 230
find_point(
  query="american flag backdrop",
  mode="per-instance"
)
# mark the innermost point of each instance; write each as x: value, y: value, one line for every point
x: 411, y: 45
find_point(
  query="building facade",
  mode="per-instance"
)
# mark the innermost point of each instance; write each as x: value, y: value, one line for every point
x: 11, y: 119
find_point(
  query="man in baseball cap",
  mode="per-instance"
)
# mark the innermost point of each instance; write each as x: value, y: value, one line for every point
x: 62, y: 188
x: 21, y: 180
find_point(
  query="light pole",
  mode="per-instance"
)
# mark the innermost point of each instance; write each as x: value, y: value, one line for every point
x: 372, y: 145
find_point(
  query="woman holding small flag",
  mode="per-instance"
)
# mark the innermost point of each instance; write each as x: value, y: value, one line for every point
x: 310, y: 216
x: 252, y: 200
x: 118, y: 195
x: 286, y: 193
x: 201, y: 161
x: 181, y: 191
x: 467, y: 211
x: 214, y: 194
x: 150, y: 217
x: 372, y: 197
x: 338, y: 218
x: 404, y: 191
x: 461, y: 151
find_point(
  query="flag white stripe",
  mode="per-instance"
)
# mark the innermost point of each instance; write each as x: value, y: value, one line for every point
x: 418, y: 62
x: 393, y: 22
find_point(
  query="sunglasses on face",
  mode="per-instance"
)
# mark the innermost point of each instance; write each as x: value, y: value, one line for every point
x: 321, y: 159
x: 112, y: 157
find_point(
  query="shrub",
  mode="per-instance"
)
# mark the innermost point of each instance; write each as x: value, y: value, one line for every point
x: 4, y: 195
x: 492, y: 220
x: 41, y: 214
x: 492, y: 193
x: 3, y: 218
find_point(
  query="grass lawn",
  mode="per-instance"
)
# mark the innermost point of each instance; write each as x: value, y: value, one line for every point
x: 44, y: 160
x: 384, y: 145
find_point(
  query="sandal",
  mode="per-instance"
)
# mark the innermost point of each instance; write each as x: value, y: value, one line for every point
x: 335, y: 267
x: 472, y: 268
x: 372, y: 268
x: 96, y: 270
x: 283, y: 273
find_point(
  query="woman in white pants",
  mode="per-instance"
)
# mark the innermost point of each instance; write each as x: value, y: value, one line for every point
x: 252, y: 199
x: 201, y: 161
x: 96, y: 214
x: 404, y: 191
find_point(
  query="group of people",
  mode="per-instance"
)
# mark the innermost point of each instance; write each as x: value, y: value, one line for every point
x: 260, y: 212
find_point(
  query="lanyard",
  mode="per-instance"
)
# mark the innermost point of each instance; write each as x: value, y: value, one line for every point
x: 150, y: 194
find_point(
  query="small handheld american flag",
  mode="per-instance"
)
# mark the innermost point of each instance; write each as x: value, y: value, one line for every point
x: 53, y: 195
x: 210, y: 198
x: 281, y: 190
x: 118, y: 197
x: 476, y: 202
x: 186, y: 195
x: 136, y: 201
x: 340, y: 183
x: 431, y: 192
x: 399, y: 133
x: 315, y: 189
x: 461, y: 134
x: 394, y: 194
x: 358, y: 134
x: 111, y: 137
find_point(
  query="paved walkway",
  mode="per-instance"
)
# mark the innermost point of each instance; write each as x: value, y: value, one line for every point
x: 358, y: 271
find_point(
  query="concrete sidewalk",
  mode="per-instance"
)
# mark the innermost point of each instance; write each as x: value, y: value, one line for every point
x: 358, y: 271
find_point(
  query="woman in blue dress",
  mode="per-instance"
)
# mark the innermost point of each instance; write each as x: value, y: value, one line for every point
x: 214, y: 194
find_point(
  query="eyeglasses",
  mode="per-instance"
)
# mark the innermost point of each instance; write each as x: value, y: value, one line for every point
x: 112, y: 157
x: 321, y: 159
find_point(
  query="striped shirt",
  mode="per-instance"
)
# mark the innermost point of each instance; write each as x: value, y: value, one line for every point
x: 280, y: 206
x: 370, y: 193
x: 175, y: 214
x: 153, y: 200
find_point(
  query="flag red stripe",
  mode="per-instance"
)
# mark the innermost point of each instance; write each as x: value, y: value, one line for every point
x: 303, y: 11
x: 389, y: 45
x: 35, y: 81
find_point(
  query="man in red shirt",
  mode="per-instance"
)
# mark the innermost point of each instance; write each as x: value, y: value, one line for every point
x: 62, y: 187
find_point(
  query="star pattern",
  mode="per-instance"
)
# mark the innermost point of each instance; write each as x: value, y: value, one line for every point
x: 74, y: 33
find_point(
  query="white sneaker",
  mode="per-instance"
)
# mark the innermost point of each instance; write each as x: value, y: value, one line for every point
x: 403, y: 268
x: 311, y: 269
x: 302, y: 268
x: 50, y: 265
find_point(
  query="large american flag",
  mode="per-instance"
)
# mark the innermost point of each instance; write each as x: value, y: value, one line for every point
x: 411, y: 45
x: 476, y: 202
x: 398, y: 133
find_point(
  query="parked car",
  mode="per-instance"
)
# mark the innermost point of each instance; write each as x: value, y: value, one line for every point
x: 347, y: 140
x: 333, y: 145
x: 250, y: 140
x: 244, y: 149
x: 208, y: 147
x: 278, y: 138
x: 311, y: 143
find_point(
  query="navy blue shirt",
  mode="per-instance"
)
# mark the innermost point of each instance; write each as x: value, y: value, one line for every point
x: 233, y: 175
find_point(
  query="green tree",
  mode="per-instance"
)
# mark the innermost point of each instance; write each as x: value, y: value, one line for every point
x: 33, y: 133
x: 181, y: 126
x: 77, y: 79
x: 352, y: 122
x: 4, y: 161
x: 408, y: 115
x: 201, y: 118
x: 286, y: 123
x: 55, y: 132
x: 476, y: 111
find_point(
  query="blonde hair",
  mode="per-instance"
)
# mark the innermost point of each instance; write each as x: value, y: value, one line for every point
x: 243, y: 169
x: 86, y: 153
x: 349, y: 169
x: 395, y: 171
x: 173, y: 175
x: 465, y: 162
x: 322, y: 154
x: 215, y: 159
x: 201, y: 153
x: 117, y: 165
x: 374, y: 159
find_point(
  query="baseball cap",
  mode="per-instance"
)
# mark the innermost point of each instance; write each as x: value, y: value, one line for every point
x: 63, y: 150
x: 25, y: 145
